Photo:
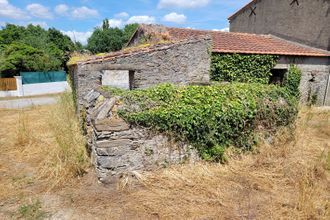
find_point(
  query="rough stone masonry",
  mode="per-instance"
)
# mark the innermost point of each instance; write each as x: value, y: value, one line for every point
x: 179, y: 63
x: 118, y: 148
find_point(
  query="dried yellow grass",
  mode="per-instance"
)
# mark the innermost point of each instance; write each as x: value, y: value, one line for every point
x: 68, y: 157
x: 285, y: 180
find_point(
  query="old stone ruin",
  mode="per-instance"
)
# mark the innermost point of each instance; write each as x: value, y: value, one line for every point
x: 118, y: 148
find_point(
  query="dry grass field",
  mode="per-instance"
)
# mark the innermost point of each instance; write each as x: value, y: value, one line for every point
x: 42, y: 163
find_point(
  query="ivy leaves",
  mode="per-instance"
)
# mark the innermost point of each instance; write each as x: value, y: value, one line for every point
x: 210, y: 117
x: 242, y: 68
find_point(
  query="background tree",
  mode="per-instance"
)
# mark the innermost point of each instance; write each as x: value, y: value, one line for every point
x: 107, y: 39
x: 33, y: 48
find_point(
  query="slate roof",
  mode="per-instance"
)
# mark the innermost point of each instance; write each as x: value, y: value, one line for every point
x: 231, y: 42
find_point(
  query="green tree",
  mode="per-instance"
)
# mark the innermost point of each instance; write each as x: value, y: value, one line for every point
x: 33, y: 48
x: 107, y: 39
x: 62, y: 41
x: 11, y: 33
x: 21, y: 57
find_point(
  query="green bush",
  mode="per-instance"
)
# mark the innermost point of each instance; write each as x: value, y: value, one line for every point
x: 293, y: 81
x: 210, y: 117
x: 242, y: 68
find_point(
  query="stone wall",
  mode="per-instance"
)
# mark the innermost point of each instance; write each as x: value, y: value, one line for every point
x: 118, y: 148
x: 179, y: 63
x: 315, y: 77
x: 306, y: 23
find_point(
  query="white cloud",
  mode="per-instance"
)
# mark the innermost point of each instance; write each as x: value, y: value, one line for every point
x: 226, y: 29
x: 175, y: 18
x: 39, y: 11
x: 182, y: 3
x: 116, y: 22
x: 61, y: 9
x: 122, y: 15
x: 143, y: 19
x: 84, y: 12
x: 78, y: 36
x: 9, y: 11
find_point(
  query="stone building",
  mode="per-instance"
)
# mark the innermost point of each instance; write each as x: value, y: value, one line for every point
x: 313, y: 62
x: 179, y: 62
x: 302, y: 21
x: 158, y: 54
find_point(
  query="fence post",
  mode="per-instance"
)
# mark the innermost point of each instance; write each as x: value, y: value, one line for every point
x: 19, y: 85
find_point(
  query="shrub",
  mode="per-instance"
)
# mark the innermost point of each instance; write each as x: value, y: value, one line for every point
x: 242, y: 68
x: 293, y: 81
x: 210, y: 117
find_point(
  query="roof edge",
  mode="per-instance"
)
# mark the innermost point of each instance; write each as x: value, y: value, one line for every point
x: 150, y: 49
x: 242, y: 9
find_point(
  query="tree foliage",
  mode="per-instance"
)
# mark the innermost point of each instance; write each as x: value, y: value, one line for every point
x: 108, y: 39
x: 242, y: 68
x: 32, y: 48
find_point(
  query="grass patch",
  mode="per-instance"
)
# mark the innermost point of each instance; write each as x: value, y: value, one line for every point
x: 23, y: 135
x: 32, y: 211
x: 68, y: 157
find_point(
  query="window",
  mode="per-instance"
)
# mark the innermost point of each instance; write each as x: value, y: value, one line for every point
x: 118, y: 78
x: 277, y: 76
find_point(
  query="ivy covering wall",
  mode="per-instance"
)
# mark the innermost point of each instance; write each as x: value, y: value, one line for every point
x: 210, y: 118
x: 292, y: 80
x: 242, y: 68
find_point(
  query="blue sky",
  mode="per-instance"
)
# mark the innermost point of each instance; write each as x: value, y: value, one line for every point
x: 78, y: 18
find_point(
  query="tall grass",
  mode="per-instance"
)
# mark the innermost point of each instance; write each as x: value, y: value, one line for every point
x: 24, y: 136
x: 68, y: 157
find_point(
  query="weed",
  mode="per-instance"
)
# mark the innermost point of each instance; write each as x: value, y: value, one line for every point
x: 24, y: 134
x: 32, y: 211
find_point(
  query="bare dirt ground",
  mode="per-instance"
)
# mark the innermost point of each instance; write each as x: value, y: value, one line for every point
x: 285, y: 180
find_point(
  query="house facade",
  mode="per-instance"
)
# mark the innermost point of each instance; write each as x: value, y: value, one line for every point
x: 302, y: 21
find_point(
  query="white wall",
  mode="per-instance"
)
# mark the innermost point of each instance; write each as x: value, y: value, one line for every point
x: 45, y: 88
x: 8, y: 93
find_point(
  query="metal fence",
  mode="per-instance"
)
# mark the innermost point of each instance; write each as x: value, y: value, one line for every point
x: 8, y: 84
